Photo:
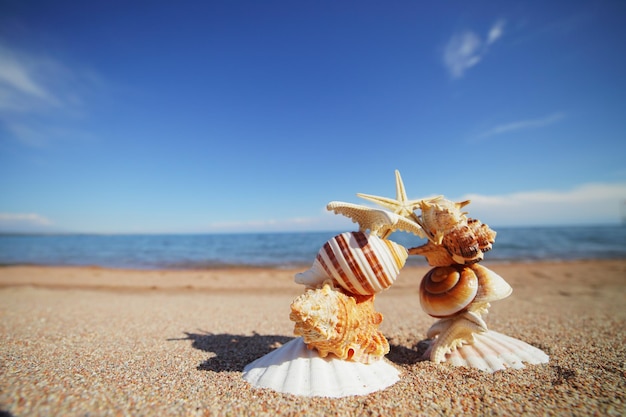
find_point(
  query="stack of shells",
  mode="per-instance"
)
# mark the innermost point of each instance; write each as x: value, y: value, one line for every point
x: 457, y: 289
x: 340, y: 347
x: 336, y: 312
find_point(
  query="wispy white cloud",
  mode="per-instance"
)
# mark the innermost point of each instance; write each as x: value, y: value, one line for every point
x: 296, y: 223
x: 22, y: 81
x: 495, y: 32
x: 466, y: 49
x: 22, y: 221
x: 37, y: 133
x: 16, y: 79
x: 592, y: 203
x: 523, y: 124
x: 462, y: 52
x: 40, y: 96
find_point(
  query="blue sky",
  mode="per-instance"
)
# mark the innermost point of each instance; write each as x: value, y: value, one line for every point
x: 233, y: 116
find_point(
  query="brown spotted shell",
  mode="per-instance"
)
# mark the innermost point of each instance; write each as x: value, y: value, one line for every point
x: 449, y: 290
x: 331, y: 321
x: 483, y: 234
x: 464, y: 245
x: 464, y: 239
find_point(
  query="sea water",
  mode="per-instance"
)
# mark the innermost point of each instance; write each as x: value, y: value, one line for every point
x: 285, y: 250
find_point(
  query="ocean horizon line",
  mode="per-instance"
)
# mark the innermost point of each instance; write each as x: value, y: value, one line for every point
x: 240, y: 232
x: 285, y: 249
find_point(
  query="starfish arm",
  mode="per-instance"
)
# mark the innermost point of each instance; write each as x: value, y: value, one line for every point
x: 379, y: 222
x: 366, y: 217
x: 386, y: 202
x: 401, y: 207
x: 407, y: 225
x: 400, y: 191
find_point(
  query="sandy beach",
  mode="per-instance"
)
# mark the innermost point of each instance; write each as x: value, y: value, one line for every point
x: 93, y: 341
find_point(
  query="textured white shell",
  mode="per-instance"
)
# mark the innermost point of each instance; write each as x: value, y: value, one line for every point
x: 361, y: 263
x: 294, y: 369
x: 493, y: 351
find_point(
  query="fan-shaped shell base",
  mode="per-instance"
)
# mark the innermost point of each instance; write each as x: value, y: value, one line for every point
x: 294, y: 369
x: 493, y: 351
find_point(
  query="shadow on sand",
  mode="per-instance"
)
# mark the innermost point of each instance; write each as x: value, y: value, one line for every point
x: 402, y: 355
x: 234, y: 352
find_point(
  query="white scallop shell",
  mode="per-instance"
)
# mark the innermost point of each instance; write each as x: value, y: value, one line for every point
x: 493, y: 351
x: 294, y: 369
x: 361, y: 263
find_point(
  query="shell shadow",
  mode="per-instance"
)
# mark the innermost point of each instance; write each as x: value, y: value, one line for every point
x: 399, y: 354
x: 232, y: 352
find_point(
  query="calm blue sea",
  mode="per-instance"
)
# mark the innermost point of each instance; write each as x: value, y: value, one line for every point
x: 284, y: 250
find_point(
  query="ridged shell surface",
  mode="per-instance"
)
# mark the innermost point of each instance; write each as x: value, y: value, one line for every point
x: 448, y: 290
x: 360, y: 263
x: 493, y: 351
x: 294, y: 369
x: 335, y: 323
x: 465, y: 239
x: 441, y: 215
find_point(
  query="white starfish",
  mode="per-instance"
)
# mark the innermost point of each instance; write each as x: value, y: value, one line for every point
x: 401, y: 205
x: 380, y: 222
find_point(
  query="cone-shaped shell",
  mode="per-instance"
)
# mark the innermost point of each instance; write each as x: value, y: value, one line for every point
x: 361, y: 263
x: 448, y: 290
x: 294, y: 369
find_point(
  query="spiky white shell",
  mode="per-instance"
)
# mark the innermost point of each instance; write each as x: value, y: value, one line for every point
x: 463, y: 238
x: 360, y: 263
x: 335, y: 323
x: 492, y: 351
x: 439, y: 216
x: 448, y: 290
x: 294, y: 369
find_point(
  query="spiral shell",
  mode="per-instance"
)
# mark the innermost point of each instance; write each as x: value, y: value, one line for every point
x: 361, y: 263
x: 333, y: 322
x: 448, y: 290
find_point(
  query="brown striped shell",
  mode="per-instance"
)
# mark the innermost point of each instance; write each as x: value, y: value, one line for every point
x: 448, y: 290
x: 361, y: 263
x: 333, y: 322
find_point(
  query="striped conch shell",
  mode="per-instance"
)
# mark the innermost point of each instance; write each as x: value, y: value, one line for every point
x: 360, y: 263
x: 448, y: 290
x: 464, y: 239
x: 332, y: 322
